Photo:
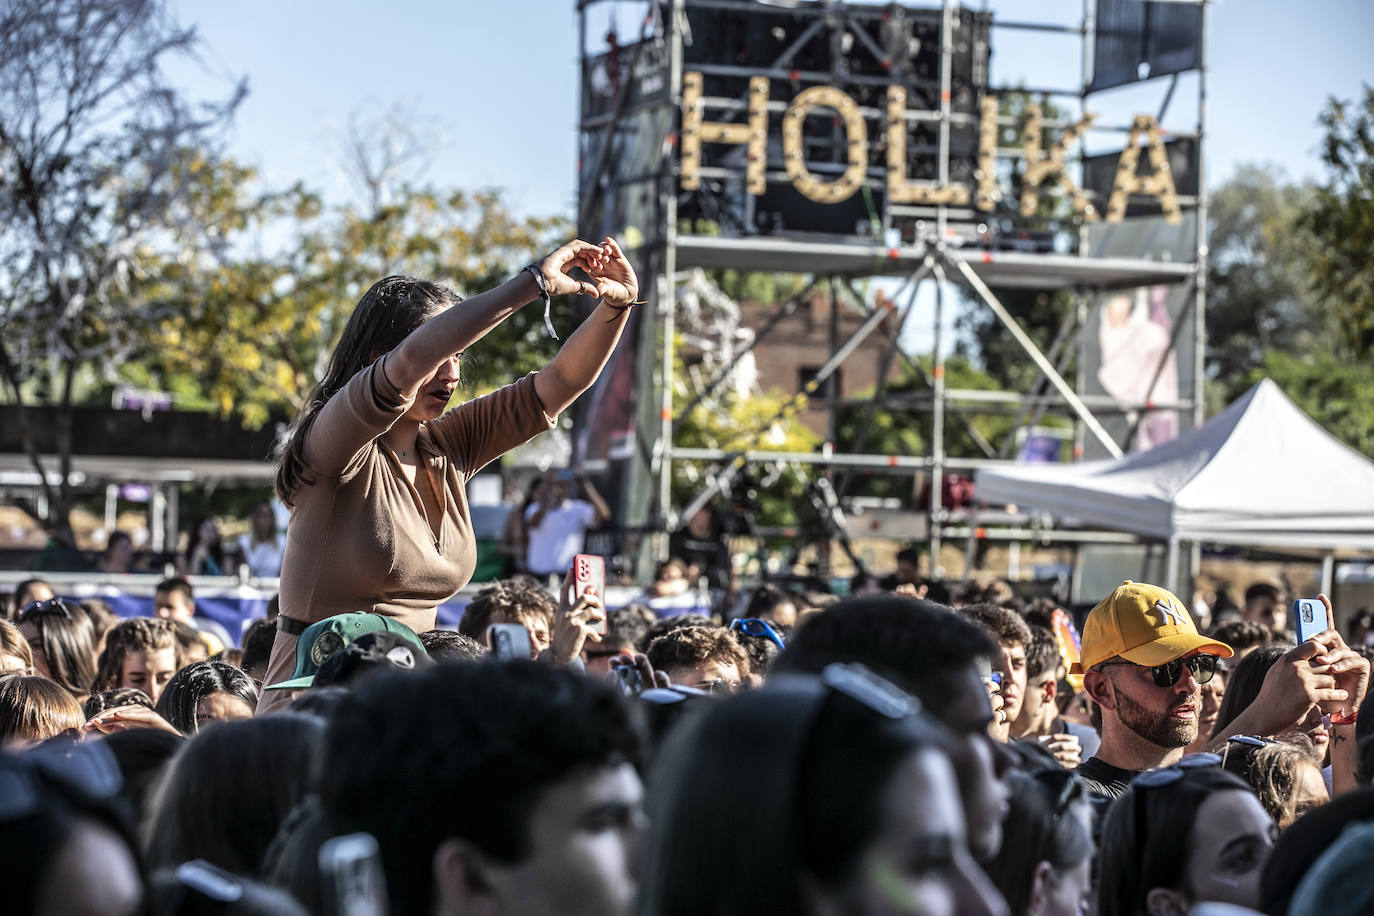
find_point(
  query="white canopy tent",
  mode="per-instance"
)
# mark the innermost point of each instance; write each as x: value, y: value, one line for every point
x: 1260, y: 473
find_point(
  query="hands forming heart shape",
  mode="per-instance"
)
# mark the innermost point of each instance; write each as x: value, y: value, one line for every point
x: 613, y: 279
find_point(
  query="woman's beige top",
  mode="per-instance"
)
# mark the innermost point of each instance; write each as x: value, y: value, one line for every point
x: 358, y: 538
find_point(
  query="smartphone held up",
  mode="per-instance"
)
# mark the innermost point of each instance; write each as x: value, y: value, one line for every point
x: 1309, y: 618
x: 589, y: 577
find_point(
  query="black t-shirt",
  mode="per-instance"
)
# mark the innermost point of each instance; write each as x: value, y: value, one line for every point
x: 1103, y: 779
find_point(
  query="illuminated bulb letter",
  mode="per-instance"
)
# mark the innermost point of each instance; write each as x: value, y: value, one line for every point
x: 696, y: 130
x: 856, y: 142
x: 1159, y: 183
x: 1041, y: 165
x: 899, y: 189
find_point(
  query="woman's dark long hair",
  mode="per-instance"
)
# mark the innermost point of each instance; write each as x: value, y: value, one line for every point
x: 69, y: 647
x: 1146, y: 838
x: 1034, y: 832
x: 214, y: 552
x: 1245, y: 682
x: 764, y: 789
x: 384, y: 316
x: 228, y: 790
x: 195, y: 682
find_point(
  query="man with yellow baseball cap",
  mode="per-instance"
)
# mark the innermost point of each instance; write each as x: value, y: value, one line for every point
x: 1142, y: 662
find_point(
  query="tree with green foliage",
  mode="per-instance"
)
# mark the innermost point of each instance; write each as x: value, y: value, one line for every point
x: 1340, y: 219
x: 93, y: 183
x: 1258, y: 289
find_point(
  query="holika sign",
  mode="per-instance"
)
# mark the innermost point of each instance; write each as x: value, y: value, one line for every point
x: 1042, y: 166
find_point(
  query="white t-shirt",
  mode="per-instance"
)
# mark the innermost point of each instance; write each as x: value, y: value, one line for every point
x: 264, y: 559
x: 558, y: 537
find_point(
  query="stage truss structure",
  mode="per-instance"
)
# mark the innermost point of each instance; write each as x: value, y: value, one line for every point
x: 649, y: 120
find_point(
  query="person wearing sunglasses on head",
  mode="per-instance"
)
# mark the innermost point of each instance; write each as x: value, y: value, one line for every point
x: 1143, y: 663
x: 815, y: 795
x: 1180, y: 836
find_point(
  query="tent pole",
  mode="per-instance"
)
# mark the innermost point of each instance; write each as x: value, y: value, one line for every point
x: 1171, y: 566
x: 1328, y: 575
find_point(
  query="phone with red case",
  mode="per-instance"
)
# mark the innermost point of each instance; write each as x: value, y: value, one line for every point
x: 589, y: 574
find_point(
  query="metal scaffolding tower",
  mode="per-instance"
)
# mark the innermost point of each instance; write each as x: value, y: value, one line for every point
x: 703, y: 144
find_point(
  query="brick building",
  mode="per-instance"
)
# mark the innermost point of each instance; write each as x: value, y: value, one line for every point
x: 799, y: 345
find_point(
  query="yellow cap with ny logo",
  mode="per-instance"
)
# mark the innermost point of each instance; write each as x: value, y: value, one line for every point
x: 1144, y: 624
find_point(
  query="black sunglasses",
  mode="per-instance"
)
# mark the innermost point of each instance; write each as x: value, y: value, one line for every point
x: 51, y: 606
x: 1062, y: 785
x: 1167, y: 674
x: 1164, y: 776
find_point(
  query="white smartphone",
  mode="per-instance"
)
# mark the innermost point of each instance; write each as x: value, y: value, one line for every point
x: 351, y: 876
x: 509, y: 641
x: 1309, y: 618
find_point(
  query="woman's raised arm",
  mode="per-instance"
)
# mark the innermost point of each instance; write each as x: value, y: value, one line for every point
x: 457, y: 328
x: 582, y: 358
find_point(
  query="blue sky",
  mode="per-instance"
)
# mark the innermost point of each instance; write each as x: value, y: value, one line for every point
x: 497, y: 81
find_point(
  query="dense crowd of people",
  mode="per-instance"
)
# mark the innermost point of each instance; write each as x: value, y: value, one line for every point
x: 878, y: 753
x: 905, y: 749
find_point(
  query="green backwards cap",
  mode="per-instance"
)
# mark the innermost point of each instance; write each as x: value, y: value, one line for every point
x: 323, y: 639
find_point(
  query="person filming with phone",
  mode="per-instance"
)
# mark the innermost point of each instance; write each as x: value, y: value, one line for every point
x: 376, y: 465
x: 557, y: 524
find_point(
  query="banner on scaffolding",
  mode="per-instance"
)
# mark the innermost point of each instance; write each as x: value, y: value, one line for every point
x: 1133, y: 345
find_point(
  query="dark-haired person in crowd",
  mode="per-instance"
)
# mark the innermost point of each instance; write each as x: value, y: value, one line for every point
x: 495, y: 788
x: 257, y: 648
x: 940, y: 658
x: 815, y: 795
x: 15, y: 655
x: 908, y: 571
x: 626, y: 629
x: 1243, y: 636
x: 26, y: 592
x: 142, y: 653
x: 1180, y: 836
x: 175, y: 600
x: 672, y: 592
x: 69, y: 848
x: 375, y: 468
x: 227, y: 791
x: 707, y: 658
x: 452, y: 646
x: 1143, y: 664
x: 113, y: 698
x: 762, y: 641
x: 773, y: 604
x: 984, y: 590
x: 34, y: 709
x: 62, y: 641
x: 1039, y: 718
x: 118, y: 556
x: 1045, y: 863
x: 520, y: 600
x: 207, y: 692
x: 1012, y: 636
x: 204, y: 554
x: 1264, y: 605
x: 701, y: 543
